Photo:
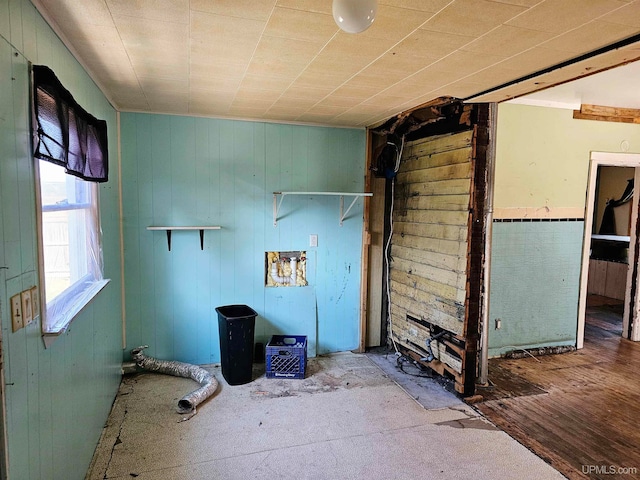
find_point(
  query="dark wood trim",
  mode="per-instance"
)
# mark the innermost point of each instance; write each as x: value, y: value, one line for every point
x: 476, y: 243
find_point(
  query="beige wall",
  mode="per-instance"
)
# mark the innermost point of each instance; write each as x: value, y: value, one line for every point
x: 542, y: 159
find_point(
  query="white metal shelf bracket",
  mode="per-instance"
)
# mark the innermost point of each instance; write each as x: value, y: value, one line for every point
x: 343, y: 213
x: 276, y: 206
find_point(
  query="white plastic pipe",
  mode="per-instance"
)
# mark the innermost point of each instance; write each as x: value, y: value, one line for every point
x: 289, y: 279
x: 294, y: 270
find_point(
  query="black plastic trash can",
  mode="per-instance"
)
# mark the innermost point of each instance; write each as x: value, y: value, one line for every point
x: 236, y: 324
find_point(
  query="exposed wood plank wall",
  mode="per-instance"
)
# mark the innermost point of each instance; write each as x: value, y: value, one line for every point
x: 430, y: 249
x: 439, y: 235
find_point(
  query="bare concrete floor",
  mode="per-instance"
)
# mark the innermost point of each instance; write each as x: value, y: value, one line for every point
x: 346, y: 420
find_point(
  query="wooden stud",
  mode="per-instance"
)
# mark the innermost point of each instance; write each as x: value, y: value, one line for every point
x: 607, y: 114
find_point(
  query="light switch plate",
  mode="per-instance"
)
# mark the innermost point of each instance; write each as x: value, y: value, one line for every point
x: 313, y: 240
x: 16, y: 313
x: 27, y: 309
x: 35, y: 302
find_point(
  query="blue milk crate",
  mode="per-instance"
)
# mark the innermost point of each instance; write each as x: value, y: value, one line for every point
x: 286, y: 356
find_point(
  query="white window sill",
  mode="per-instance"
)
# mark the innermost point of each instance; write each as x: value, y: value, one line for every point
x: 51, y: 333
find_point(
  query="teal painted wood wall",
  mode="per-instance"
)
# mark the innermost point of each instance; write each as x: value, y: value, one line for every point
x: 58, y: 399
x: 196, y: 171
x: 535, y: 281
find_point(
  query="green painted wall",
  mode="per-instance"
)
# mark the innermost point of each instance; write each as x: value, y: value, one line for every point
x: 196, y: 171
x: 58, y: 399
x: 535, y: 271
x: 542, y: 163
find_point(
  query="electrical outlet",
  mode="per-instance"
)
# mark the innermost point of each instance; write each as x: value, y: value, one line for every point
x: 27, y: 310
x: 313, y: 240
x: 16, y: 313
x: 498, y: 323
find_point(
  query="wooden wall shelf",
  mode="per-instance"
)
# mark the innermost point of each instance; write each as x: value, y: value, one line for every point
x: 169, y: 229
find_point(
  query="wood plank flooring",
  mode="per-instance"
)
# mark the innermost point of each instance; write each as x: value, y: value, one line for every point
x: 579, y: 410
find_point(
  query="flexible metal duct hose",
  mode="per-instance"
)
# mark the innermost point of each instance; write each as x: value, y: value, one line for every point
x: 189, y: 402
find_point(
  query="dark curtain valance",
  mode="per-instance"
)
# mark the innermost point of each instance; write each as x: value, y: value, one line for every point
x: 67, y: 134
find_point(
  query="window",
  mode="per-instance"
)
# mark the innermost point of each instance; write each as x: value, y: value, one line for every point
x: 70, y: 245
x: 70, y: 150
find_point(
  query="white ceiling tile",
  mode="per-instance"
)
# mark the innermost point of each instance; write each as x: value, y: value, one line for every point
x: 349, y: 46
x: 317, y: 6
x: 69, y: 17
x: 473, y: 17
x: 263, y: 82
x: 534, y: 59
x: 282, y: 116
x: 506, y: 41
x: 275, y: 69
x: 382, y: 100
x: 559, y: 16
x: 627, y: 15
x: 351, y: 118
x: 315, y: 118
x: 590, y: 37
x: 132, y: 96
x: 322, y: 79
x: 393, y: 24
x: 460, y: 89
x: 317, y: 92
x: 431, y: 45
x: 432, y: 6
x: 462, y: 63
x: 301, y: 25
x: 162, y: 84
x: 341, y: 100
x: 147, y: 32
x: 523, y: 3
x: 168, y: 10
x: 203, y: 102
x: 289, y: 110
x: 252, y: 101
x: 216, y: 36
x: 288, y: 60
x: 215, y: 83
x: 295, y: 102
x: 247, y: 112
x: 175, y: 102
x: 250, y: 9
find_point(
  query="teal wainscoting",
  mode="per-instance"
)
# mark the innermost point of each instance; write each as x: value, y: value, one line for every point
x: 535, y: 278
x: 196, y: 171
x: 57, y: 400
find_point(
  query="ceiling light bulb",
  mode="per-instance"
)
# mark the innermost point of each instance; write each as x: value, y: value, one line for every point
x: 354, y: 16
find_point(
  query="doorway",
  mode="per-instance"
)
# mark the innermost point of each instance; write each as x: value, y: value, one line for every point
x: 609, y: 277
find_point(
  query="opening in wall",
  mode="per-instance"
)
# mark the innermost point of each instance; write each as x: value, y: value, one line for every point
x: 606, y: 250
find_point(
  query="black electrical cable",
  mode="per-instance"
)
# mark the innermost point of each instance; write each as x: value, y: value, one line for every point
x: 401, y: 360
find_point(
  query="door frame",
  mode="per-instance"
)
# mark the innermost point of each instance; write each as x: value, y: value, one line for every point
x: 607, y: 159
